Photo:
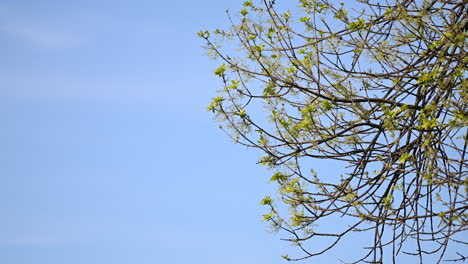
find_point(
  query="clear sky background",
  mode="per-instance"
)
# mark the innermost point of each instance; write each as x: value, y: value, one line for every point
x: 108, y: 154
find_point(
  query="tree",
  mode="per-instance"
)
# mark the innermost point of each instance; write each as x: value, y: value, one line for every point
x: 379, y: 88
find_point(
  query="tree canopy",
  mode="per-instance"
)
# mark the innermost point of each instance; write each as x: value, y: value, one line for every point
x: 376, y: 88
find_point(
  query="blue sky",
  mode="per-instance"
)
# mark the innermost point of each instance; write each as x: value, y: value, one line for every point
x: 108, y: 154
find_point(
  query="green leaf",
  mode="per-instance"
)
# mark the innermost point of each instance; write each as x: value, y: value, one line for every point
x: 429, y: 123
x: 234, y: 84
x: 297, y: 219
x: 350, y: 196
x: 241, y: 113
x: 441, y: 215
x: 387, y: 201
x: 267, y: 217
x: 278, y: 176
x: 215, y: 103
x: 404, y: 157
x: 248, y: 4
x: 266, y: 201
x: 203, y: 34
x: 326, y: 105
x: 342, y: 13
x: 262, y: 140
x: 266, y: 160
x: 220, y: 70
x: 357, y: 25
x: 304, y: 19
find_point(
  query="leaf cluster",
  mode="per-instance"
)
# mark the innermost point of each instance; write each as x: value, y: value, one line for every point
x: 380, y: 89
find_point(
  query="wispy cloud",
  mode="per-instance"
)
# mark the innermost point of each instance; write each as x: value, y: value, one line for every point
x: 41, y: 36
x: 31, y: 240
x: 37, y: 31
x: 70, y: 28
x: 104, y: 56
